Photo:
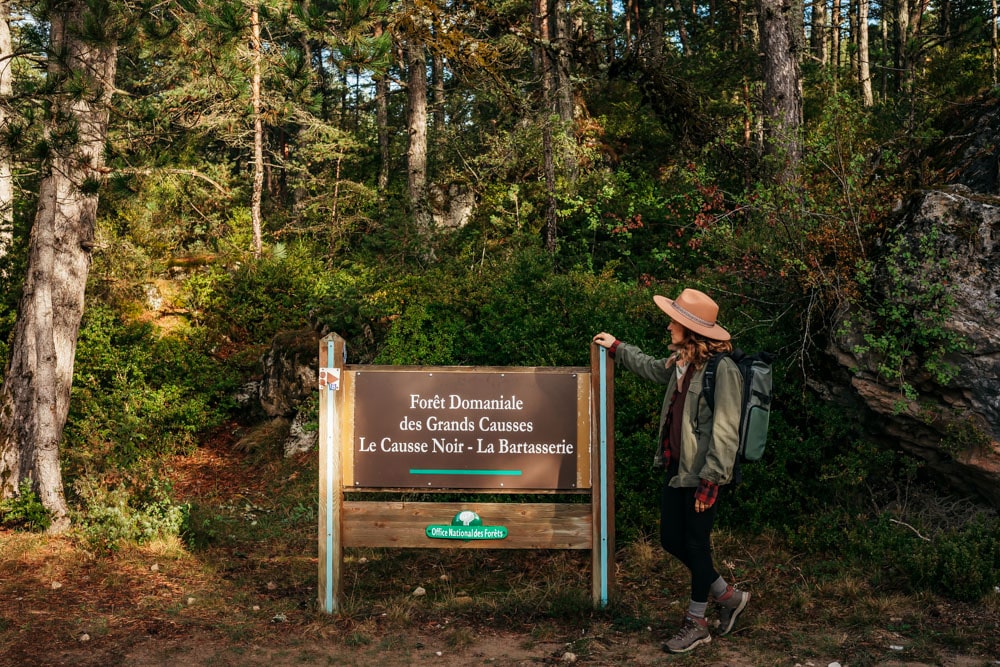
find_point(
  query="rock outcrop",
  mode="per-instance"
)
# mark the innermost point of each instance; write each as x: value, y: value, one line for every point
x: 289, y: 381
x: 290, y: 373
x: 947, y: 242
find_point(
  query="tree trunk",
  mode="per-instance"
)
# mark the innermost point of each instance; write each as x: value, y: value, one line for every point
x: 437, y: 74
x: 864, y: 66
x: 782, y: 93
x: 382, y: 120
x: 564, y: 85
x: 437, y: 68
x: 563, y: 64
x: 6, y: 168
x: 886, y: 62
x: 657, y: 29
x: 852, y: 31
x: 682, y: 34
x: 835, y: 20
x: 416, y: 154
x: 543, y: 69
x: 258, y: 132
x: 993, y: 41
x: 609, y: 27
x: 34, y: 398
x: 818, y: 37
x: 902, y: 46
x: 944, y: 23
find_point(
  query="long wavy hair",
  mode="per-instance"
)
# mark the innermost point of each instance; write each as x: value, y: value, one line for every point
x: 697, y: 349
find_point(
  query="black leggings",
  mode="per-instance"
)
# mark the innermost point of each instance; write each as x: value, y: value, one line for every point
x: 687, y: 535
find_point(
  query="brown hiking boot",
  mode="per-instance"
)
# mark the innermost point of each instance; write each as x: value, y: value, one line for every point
x: 693, y: 633
x: 731, y: 605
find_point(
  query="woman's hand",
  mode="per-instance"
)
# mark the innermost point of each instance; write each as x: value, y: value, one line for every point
x: 605, y: 340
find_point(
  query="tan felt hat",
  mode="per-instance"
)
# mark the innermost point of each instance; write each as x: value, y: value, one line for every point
x: 695, y: 311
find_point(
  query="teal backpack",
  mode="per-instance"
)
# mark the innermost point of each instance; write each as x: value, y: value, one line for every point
x: 755, y: 412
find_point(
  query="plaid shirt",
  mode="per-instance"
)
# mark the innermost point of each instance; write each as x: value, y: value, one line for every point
x: 707, y: 492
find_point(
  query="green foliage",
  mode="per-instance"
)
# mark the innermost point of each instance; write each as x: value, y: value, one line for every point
x: 910, y: 307
x: 24, y: 511
x: 259, y: 298
x: 136, y: 395
x: 134, y: 510
x: 802, y: 472
x: 960, y: 562
x: 638, y: 225
x: 830, y: 491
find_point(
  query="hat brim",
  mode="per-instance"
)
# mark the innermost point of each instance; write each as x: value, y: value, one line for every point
x: 682, y: 317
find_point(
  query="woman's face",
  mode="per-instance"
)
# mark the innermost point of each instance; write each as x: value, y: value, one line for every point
x: 677, y: 333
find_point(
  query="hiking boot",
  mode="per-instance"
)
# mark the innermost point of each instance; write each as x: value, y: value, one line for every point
x: 731, y: 604
x: 693, y: 633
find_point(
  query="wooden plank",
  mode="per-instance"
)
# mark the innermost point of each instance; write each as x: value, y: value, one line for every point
x: 530, y: 525
x: 584, y: 436
x: 566, y: 370
x: 347, y: 432
x: 361, y: 491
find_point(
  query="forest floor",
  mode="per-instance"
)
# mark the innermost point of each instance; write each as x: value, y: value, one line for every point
x: 241, y: 590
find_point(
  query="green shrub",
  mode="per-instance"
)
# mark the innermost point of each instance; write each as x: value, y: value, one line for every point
x: 904, y: 331
x: 259, y: 298
x: 136, y: 395
x: 961, y: 561
x: 136, y: 509
x: 24, y: 511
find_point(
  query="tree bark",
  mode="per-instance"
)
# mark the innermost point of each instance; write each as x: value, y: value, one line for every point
x: 543, y: 69
x: 782, y: 93
x: 852, y: 33
x: 835, y: 20
x: 563, y: 64
x: 34, y: 398
x: 382, y: 121
x: 6, y: 167
x: 258, y: 132
x: 864, y: 54
x: 818, y: 36
x: 993, y: 41
x: 902, y: 47
x: 416, y: 154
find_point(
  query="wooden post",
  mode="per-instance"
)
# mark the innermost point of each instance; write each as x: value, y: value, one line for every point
x: 332, y: 357
x: 602, y: 373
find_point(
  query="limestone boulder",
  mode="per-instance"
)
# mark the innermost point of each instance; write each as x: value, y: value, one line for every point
x: 950, y: 239
x: 290, y: 373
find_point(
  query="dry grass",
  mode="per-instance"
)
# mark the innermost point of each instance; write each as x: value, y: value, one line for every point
x: 244, y: 589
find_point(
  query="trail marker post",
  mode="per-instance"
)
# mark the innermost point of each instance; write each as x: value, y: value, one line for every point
x: 472, y: 430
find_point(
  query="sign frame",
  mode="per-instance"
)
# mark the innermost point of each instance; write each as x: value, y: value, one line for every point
x: 347, y: 523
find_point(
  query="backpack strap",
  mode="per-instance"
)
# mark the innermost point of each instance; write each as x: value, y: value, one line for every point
x: 708, y: 381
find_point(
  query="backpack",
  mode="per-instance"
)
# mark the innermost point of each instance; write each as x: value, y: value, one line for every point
x: 755, y: 410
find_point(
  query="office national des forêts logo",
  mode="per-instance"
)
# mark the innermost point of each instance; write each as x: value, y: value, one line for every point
x: 466, y: 525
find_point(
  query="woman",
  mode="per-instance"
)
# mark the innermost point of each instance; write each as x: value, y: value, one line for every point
x: 697, y: 447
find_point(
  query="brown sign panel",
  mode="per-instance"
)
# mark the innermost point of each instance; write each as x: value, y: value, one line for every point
x: 465, y: 429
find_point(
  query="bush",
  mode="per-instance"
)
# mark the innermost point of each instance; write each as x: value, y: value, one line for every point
x: 260, y: 298
x: 136, y: 395
x: 136, y: 509
x: 24, y: 511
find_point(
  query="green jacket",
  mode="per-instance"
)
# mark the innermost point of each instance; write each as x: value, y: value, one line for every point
x: 709, y: 442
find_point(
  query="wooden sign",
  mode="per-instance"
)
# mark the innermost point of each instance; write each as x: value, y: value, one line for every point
x: 468, y: 429
x: 393, y: 430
